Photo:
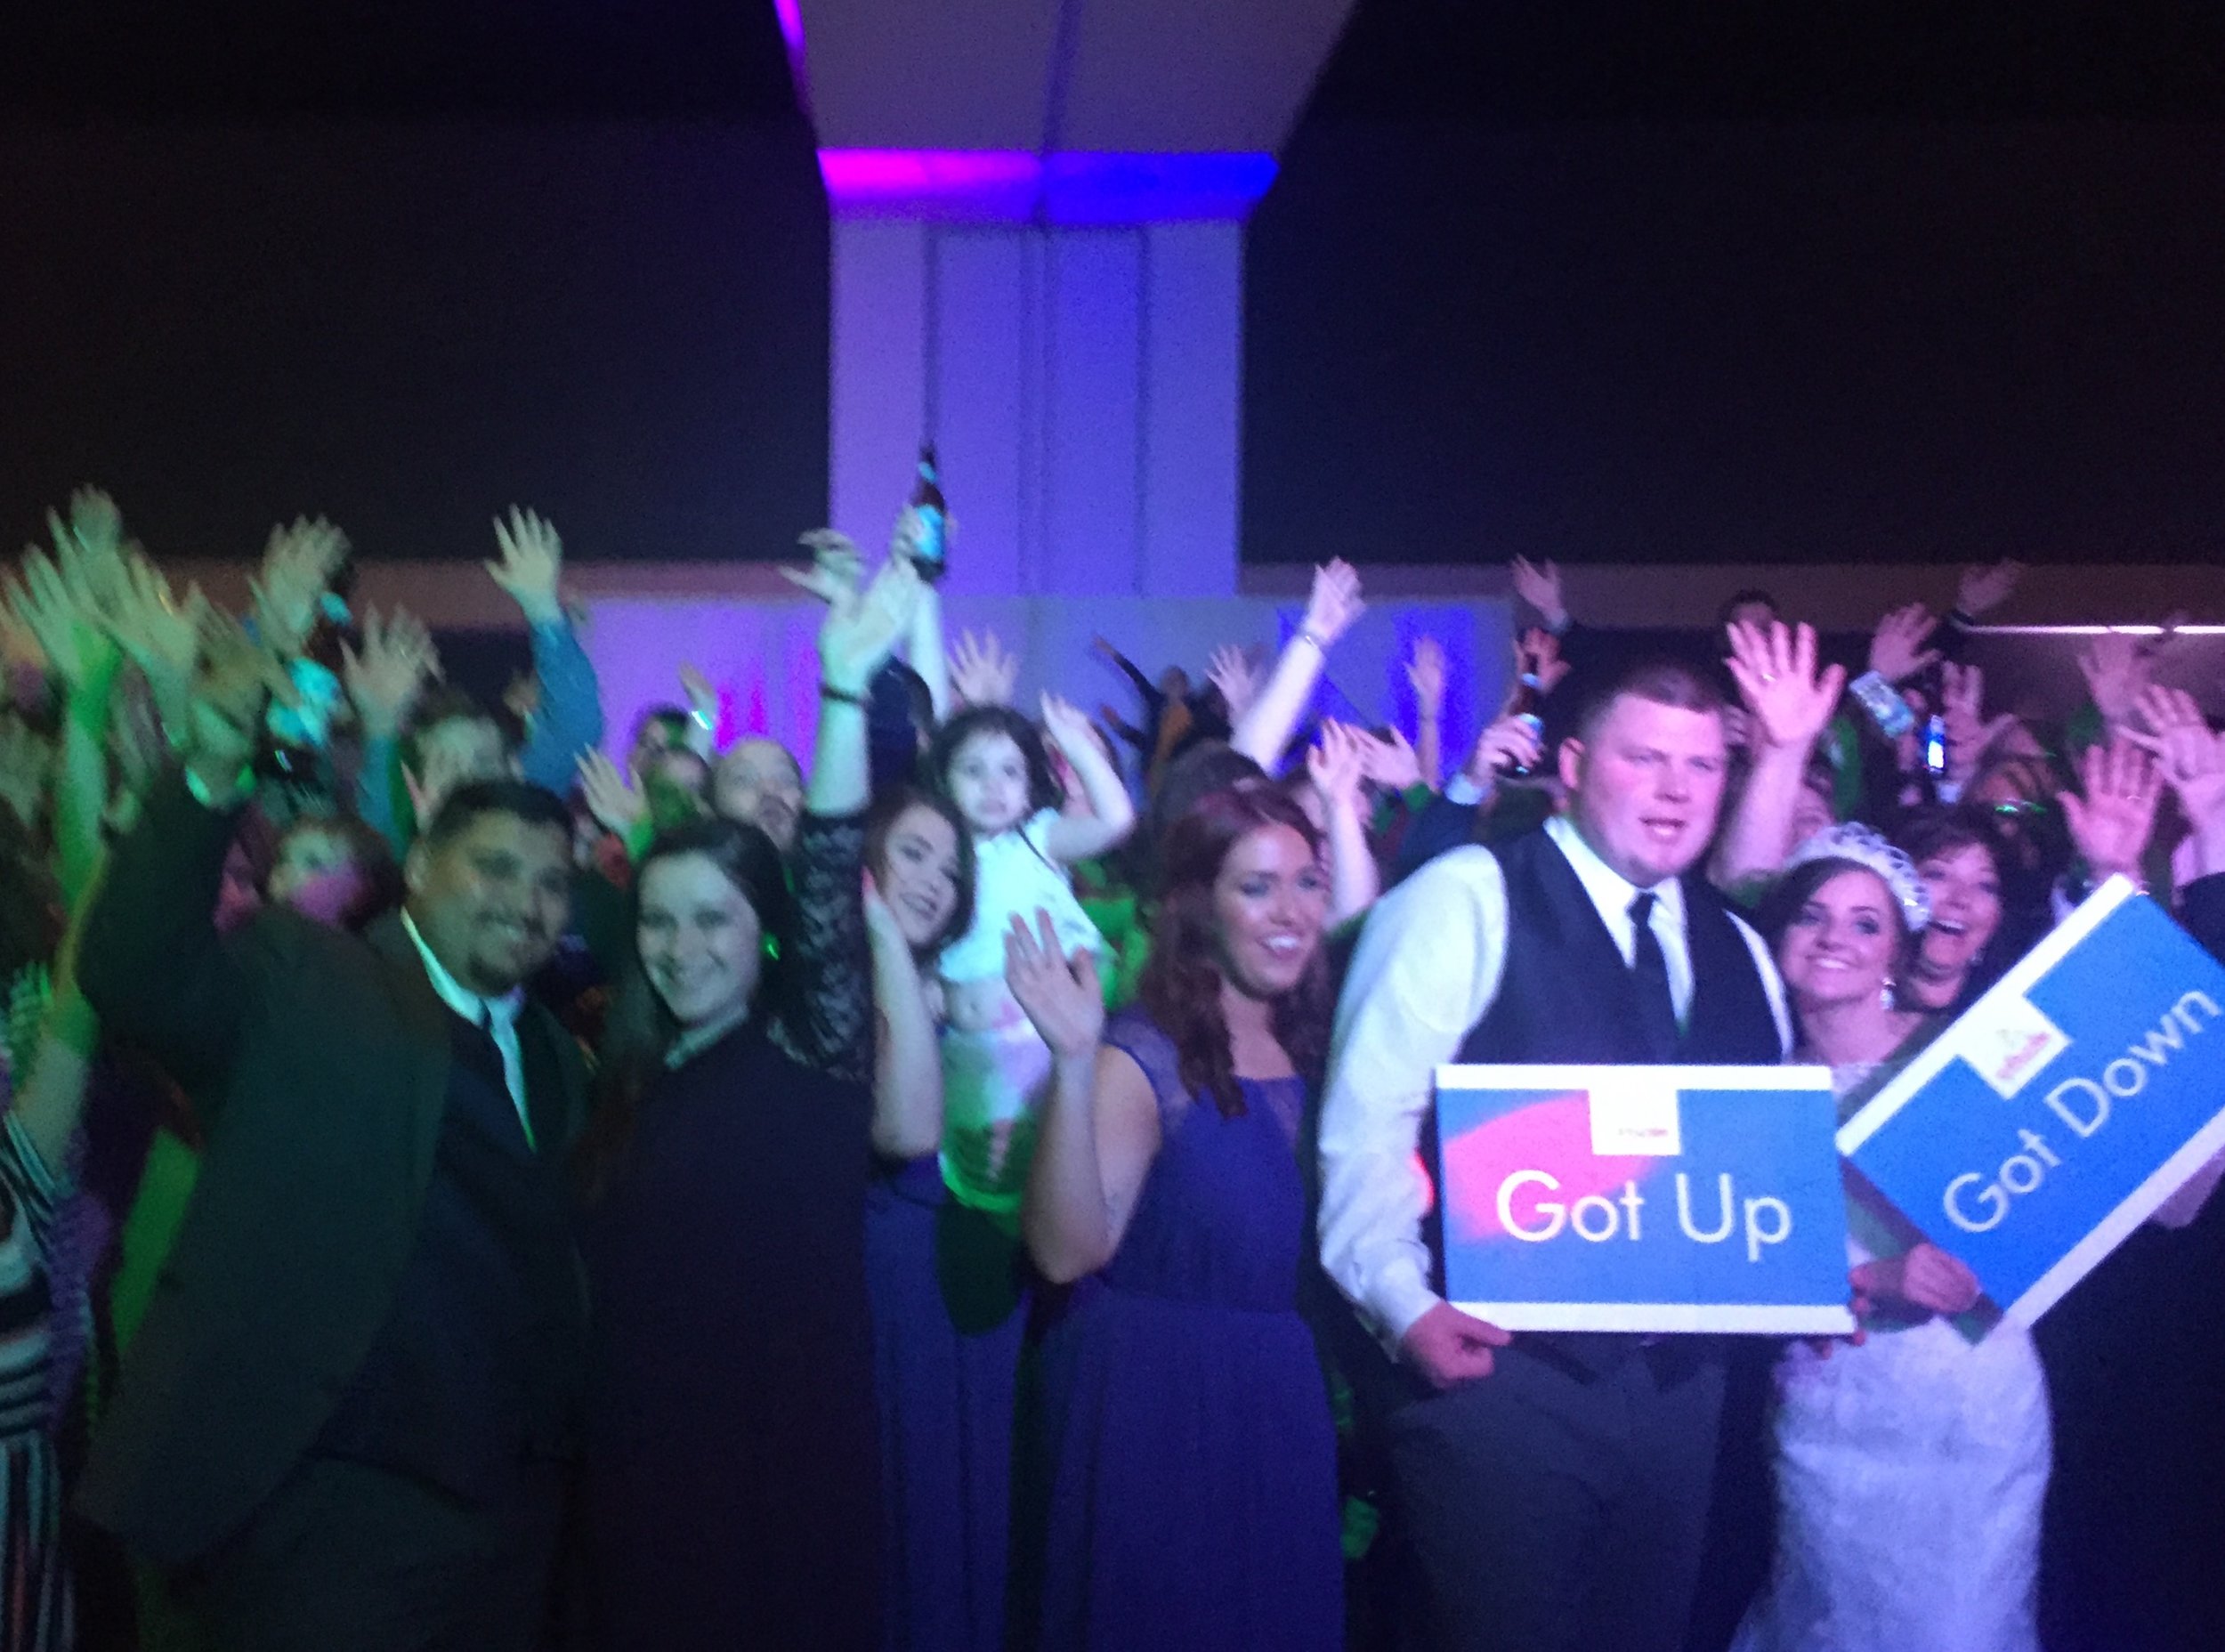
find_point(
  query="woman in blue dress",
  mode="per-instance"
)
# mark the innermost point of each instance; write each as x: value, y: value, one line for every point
x: 1190, y: 1455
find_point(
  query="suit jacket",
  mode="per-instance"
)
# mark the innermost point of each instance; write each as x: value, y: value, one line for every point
x: 318, y: 1061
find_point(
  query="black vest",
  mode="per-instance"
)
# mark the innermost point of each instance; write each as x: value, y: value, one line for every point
x: 1565, y: 995
x: 481, y: 1363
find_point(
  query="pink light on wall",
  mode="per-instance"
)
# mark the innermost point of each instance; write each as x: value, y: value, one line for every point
x: 1015, y: 186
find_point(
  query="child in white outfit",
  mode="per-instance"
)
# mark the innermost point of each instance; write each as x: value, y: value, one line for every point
x: 991, y: 763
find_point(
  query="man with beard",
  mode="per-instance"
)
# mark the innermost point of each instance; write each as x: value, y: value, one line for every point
x: 346, y: 1417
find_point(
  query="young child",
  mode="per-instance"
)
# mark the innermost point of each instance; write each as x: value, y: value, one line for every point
x: 992, y: 764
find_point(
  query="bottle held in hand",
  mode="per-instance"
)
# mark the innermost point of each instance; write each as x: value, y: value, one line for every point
x: 1528, y: 705
x: 930, y: 550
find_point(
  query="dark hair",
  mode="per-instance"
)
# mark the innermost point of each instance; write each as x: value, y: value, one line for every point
x: 1043, y: 789
x: 1664, y: 681
x: 1210, y: 766
x: 1927, y: 834
x: 674, y: 720
x: 536, y: 805
x: 1739, y: 599
x: 891, y: 806
x: 373, y: 857
x: 640, y: 1032
x: 1181, y: 983
x: 1783, y: 904
x: 442, y: 704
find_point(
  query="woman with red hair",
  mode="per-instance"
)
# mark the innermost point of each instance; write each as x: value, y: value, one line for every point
x: 1190, y: 1454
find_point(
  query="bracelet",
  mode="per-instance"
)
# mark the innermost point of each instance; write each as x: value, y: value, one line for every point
x: 1304, y: 636
x: 828, y: 690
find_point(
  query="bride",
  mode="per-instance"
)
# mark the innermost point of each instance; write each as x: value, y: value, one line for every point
x: 1910, y: 1466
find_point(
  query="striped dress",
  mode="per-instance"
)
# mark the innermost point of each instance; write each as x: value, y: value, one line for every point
x: 34, y: 1598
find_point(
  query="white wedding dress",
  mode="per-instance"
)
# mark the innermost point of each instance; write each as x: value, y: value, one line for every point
x: 1910, y: 1473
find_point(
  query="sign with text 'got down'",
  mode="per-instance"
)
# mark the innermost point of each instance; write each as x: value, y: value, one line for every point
x: 1583, y: 1198
x: 2049, y: 1121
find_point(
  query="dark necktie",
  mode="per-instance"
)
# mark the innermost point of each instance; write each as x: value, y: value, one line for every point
x: 1649, y: 974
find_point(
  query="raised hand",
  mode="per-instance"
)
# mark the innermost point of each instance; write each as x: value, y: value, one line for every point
x: 1537, y: 653
x: 2112, y: 813
x: 1509, y: 743
x: 55, y: 606
x: 387, y: 674
x: 529, y: 564
x: 1333, y: 603
x: 1970, y: 733
x: 1538, y: 584
x: 2191, y: 754
x: 1062, y: 996
x: 1065, y: 727
x: 1789, y: 699
x: 1897, y: 647
x: 1388, y: 759
x: 862, y: 626
x: 299, y: 562
x: 2116, y: 670
x: 1229, y: 670
x: 1425, y: 671
x: 615, y: 799
x: 1337, y: 763
x: 982, y: 672
x: 1984, y: 588
x: 836, y: 568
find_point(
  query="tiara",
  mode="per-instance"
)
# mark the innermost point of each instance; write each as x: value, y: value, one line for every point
x: 1867, y: 847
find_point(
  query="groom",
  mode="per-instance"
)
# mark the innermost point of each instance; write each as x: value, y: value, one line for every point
x: 1554, y: 1488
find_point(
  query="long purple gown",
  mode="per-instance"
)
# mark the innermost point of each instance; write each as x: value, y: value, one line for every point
x: 1192, y: 1481
x: 950, y: 1292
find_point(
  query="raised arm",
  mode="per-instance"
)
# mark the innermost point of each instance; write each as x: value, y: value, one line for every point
x: 1425, y: 671
x: 1265, y: 729
x: 384, y: 679
x: 1790, y: 702
x: 1335, y: 766
x: 828, y: 1020
x: 151, y: 963
x: 1111, y: 814
x: 529, y: 567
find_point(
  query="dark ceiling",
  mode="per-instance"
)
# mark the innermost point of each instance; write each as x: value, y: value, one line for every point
x: 257, y: 60
x: 1488, y: 61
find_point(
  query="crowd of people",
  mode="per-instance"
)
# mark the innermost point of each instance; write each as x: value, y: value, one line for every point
x: 459, y: 1190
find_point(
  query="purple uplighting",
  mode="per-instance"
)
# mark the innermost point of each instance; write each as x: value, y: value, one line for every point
x: 1065, y: 186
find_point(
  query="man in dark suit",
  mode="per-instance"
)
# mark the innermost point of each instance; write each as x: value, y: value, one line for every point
x: 1553, y: 1490
x: 347, y: 1415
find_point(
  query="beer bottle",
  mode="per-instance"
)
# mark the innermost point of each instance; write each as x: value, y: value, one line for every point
x: 929, y: 551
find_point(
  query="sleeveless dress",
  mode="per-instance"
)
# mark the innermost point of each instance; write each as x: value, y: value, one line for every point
x: 1910, y: 1471
x: 1191, y: 1458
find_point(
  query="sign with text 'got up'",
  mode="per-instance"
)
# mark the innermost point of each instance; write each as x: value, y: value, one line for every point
x: 1652, y: 1199
x: 2049, y: 1121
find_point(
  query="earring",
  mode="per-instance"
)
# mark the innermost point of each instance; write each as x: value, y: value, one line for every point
x: 1885, y: 993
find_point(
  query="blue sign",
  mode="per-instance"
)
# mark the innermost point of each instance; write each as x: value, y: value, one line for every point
x: 2054, y: 1117
x: 1655, y: 1199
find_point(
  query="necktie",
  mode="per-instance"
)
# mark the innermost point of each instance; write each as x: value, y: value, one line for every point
x: 502, y: 1071
x: 1649, y: 974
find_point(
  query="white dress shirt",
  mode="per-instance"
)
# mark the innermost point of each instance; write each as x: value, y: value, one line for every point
x: 1426, y: 969
x: 499, y: 1015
